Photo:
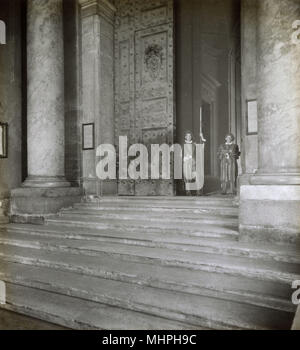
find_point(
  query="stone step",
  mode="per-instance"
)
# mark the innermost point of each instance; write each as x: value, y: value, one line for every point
x: 205, y: 198
x: 272, y: 295
x: 147, y: 261
x: 127, y: 223
x: 65, y: 254
x: 167, y: 202
x: 38, y: 234
x: 199, y: 311
x: 175, y: 219
x: 159, y: 206
x: 82, y: 314
x: 133, y: 237
x: 14, y: 321
x: 125, y: 234
x: 154, y: 212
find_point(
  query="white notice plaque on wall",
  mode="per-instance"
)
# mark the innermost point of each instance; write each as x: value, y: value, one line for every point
x: 3, y: 140
x: 252, y: 117
x: 88, y: 136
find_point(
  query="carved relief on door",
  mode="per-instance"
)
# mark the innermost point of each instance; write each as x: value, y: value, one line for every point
x: 144, y: 57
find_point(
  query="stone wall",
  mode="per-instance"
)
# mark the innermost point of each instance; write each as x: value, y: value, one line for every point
x: 97, y: 35
x: 249, y: 83
x: 72, y: 91
x: 11, y: 99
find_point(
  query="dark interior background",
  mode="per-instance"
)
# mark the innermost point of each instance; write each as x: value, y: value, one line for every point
x: 207, y: 37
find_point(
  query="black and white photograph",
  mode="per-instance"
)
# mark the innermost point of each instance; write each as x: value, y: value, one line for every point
x: 149, y: 168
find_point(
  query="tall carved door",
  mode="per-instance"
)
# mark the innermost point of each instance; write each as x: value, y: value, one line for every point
x: 144, y: 65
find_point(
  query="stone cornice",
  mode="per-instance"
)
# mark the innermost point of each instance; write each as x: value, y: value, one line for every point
x: 102, y: 8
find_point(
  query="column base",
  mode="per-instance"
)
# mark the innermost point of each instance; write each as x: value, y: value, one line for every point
x: 34, y: 205
x: 4, y: 205
x: 276, y: 179
x: 46, y: 182
x: 270, y: 213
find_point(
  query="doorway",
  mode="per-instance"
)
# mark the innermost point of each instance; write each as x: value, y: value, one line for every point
x: 207, y: 61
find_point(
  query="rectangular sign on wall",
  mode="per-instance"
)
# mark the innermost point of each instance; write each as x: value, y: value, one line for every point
x: 3, y: 140
x: 2, y: 32
x: 88, y: 136
x: 252, y: 127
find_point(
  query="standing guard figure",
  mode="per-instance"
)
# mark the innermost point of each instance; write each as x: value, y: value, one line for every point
x: 229, y: 154
x: 193, y: 180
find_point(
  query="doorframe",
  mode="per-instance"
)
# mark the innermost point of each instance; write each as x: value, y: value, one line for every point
x: 209, y: 94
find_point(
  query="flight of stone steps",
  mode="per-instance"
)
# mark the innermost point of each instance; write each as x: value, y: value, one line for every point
x: 147, y: 263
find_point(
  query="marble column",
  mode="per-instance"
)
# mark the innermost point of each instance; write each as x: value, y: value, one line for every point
x: 46, y: 190
x: 45, y: 97
x: 278, y: 62
x: 270, y: 206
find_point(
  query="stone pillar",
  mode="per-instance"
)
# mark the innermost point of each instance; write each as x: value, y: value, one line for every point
x: 11, y: 102
x: 279, y: 93
x: 45, y: 94
x: 97, y: 18
x: 249, y: 92
x: 45, y: 191
x: 270, y: 206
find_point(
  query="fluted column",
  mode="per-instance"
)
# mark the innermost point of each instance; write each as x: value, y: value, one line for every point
x: 278, y: 62
x: 45, y: 70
